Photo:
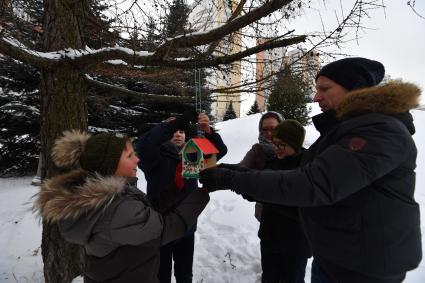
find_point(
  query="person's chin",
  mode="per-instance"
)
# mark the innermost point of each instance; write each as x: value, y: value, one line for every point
x: 280, y: 156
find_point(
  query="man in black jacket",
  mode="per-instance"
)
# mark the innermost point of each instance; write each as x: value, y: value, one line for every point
x: 356, y: 187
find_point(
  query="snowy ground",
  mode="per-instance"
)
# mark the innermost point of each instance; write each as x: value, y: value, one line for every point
x: 227, y: 247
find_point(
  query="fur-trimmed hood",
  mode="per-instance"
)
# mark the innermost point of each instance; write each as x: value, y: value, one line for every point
x: 389, y: 99
x: 70, y: 195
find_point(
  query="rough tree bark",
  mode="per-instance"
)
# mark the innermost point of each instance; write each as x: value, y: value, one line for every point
x: 63, y: 106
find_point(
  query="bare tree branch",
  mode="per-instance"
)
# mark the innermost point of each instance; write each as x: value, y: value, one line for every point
x: 18, y: 51
x: 220, y: 32
x: 235, y: 13
x: 147, y: 97
x: 86, y: 59
x: 411, y: 4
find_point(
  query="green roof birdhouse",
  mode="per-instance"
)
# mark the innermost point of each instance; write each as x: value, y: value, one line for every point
x: 197, y: 154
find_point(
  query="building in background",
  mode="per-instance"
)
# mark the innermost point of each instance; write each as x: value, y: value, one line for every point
x: 307, y: 64
x: 208, y: 15
x: 270, y: 62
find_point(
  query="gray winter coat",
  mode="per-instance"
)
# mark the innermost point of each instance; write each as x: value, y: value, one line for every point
x: 115, y: 223
x: 356, y: 189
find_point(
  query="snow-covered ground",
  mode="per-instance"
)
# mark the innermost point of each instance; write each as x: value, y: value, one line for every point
x: 227, y: 246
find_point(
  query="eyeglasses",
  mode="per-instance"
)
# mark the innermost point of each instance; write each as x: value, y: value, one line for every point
x: 267, y: 129
x: 280, y: 146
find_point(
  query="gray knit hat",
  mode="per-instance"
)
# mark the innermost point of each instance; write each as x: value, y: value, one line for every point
x: 291, y: 132
x: 99, y: 153
x: 354, y: 73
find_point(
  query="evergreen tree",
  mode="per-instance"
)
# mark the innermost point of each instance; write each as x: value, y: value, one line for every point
x: 151, y: 40
x: 230, y: 113
x: 97, y: 32
x: 19, y: 117
x: 27, y: 16
x: 254, y: 109
x: 289, y: 97
x: 176, y: 21
x: 107, y: 111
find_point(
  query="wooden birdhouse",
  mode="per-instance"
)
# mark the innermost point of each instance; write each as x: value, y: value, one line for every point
x: 197, y: 154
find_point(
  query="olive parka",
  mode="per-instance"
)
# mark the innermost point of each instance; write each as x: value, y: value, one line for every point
x: 356, y: 187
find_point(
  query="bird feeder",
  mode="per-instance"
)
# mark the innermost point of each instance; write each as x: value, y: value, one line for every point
x: 197, y: 154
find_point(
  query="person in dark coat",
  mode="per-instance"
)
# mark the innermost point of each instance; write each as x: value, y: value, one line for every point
x: 262, y: 151
x: 356, y: 187
x: 284, y: 246
x: 161, y: 163
x: 96, y: 205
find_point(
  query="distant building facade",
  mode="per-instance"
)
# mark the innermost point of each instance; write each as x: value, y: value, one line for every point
x: 209, y: 15
x: 307, y: 64
x: 270, y: 62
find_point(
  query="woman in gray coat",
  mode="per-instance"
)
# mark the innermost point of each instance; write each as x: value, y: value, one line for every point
x: 263, y: 151
x: 96, y: 205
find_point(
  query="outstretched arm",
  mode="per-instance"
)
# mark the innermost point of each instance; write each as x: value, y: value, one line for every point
x: 135, y: 223
x: 333, y: 175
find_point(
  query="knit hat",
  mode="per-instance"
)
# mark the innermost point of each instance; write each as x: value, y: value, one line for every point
x: 354, y: 73
x: 290, y: 132
x: 99, y: 153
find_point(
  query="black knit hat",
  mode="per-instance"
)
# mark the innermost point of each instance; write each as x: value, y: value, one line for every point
x: 354, y: 73
x: 102, y: 153
x: 291, y: 132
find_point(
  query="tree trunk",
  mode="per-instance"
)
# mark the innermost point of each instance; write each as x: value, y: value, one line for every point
x: 63, y: 107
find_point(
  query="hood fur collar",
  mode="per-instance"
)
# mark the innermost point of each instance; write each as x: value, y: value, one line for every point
x: 390, y: 99
x: 75, y: 193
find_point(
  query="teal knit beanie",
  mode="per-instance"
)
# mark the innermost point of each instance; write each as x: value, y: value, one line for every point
x: 290, y: 132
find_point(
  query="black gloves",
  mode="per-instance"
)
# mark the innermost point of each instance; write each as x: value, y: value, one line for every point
x: 220, y: 177
x: 214, y: 179
x: 182, y: 122
x: 238, y: 168
x: 234, y: 167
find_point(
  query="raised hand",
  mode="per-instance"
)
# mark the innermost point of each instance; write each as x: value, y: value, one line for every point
x: 204, y: 123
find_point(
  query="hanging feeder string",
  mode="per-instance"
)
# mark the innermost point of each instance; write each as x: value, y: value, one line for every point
x: 198, y: 98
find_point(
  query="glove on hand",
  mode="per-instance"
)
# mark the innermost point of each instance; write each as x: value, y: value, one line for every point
x: 234, y: 167
x: 214, y: 179
x: 182, y: 122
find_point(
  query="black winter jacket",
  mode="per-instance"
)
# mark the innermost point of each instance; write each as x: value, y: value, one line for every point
x: 280, y: 226
x: 356, y: 188
x: 159, y: 159
x: 115, y: 223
